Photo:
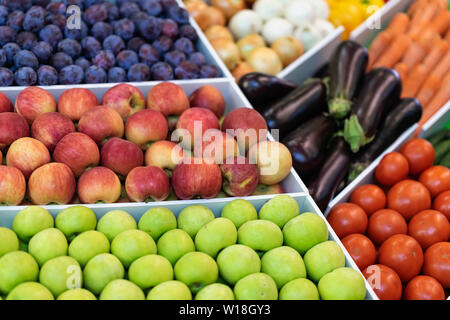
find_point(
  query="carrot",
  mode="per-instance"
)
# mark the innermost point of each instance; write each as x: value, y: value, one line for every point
x: 442, y: 67
x: 428, y: 38
x: 440, y: 98
x: 413, y: 55
x: 429, y: 88
x: 416, y: 6
x: 414, y: 81
x: 442, y: 4
x: 379, y: 45
x: 394, y: 52
x: 441, y: 22
x: 421, y: 20
x: 402, y: 70
x: 399, y: 24
x: 435, y: 55
x: 447, y: 36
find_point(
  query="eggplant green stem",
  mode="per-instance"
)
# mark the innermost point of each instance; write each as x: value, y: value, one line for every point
x: 339, y: 107
x: 354, y: 134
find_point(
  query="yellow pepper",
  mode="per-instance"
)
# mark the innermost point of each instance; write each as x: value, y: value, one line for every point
x: 348, y: 14
x: 369, y: 7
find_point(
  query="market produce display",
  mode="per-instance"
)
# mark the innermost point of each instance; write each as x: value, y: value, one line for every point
x: 132, y: 148
x: 277, y: 253
x: 126, y: 41
x: 397, y: 229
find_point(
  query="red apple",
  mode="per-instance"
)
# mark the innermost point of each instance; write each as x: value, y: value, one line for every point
x: 125, y: 98
x: 52, y: 183
x: 192, y: 124
x: 121, y: 156
x: 247, y: 126
x: 147, y: 183
x: 34, y: 101
x: 208, y: 97
x: 27, y: 154
x: 167, y: 98
x: 51, y: 127
x: 240, y: 177
x: 145, y: 127
x: 99, y: 184
x: 1, y: 157
x: 216, y: 145
x: 78, y: 151
x: 164, y: 154
x: 12, y: 186
x: 196, y: 177
x: 101, y: 123
x: 75, y: 102
x: 12, y: 127
x: 5, y: 104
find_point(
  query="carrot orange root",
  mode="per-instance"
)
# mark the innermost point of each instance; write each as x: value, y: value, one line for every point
x: 402, y: 70
x: 399, y: 24
x: 440, y: 98
x: 442, y: 67
x: 441, y: 23
x: 429, y: 88
x: 435, y: 55
x: 379, y: 45
x: 414, y: 81
x: 428, y: 38
x: 394, y: 52
x: 413, y: 55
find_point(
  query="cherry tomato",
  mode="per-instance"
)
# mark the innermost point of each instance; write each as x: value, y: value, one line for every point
x: 384, y: 281
x: 361, y: 249
x: 429, y: 227
x: 424, y: 288
x: 436, y: 179
x: 403, y: 254
x: 437, y: 263
x: 442, y: 203
x: 408, y: 197
x: 420, y: 155
x: 369, y: 197
x: 385, y: 223
x: 393, y: 168
x: 347, y: 218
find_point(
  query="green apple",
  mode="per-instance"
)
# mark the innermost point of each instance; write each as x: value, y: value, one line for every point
x: 238, y: 261
x: 256, y: 286
x: 279, y: 210
x: 299, y: 289
x: 120, y: 289
x: 215, y: 291
x: 23, y: 246
x: 157, y: 221
x: 283, y: 264
x: 149, y: 271
x: 130, y: 245
x: 75, y: 220
x: 77, y: 294
x: 342, y: 284
x: 323, y: 258
x: 9, y: 241
x: 174, y: 244
x: 61, y: 274
x: 100, y: 270
x: 30, y: 291
x: 192, y: 218
x: 17, y: 267
x: 87, y: 245
x: 114, y: 222
x: 170, y: 290
x: 261, y: 235
x: 305, y: 231
x: 216, y: 235
x: 30, y: 221
x: 47, y: 244
x: 196, y: 270
x: 239, y: 211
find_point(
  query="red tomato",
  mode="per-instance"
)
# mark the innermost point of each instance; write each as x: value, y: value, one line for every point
x: 436, y: 179
x: 424, y: 288
x: 393, y: 167
x: 403, y: 254
x: 408, y: 197
x: 347, y: 218
x: 442, y: 203
x: 361, y: 249
x: 384, y: 281
x: 385, y: 223
x: 429, y: 227
x: 369, y: 197
x: 420, y: 155
x: 437, y: 263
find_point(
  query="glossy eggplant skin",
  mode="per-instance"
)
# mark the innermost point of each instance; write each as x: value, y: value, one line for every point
x: 308, y: 143
x: 263, y: 90
x: 333, y: 171
x: 297, y: 107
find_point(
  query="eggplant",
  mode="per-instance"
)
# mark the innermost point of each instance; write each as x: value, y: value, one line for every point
x: 401, y: 117
x: 297, y: 107
x: 347, y: 69
x: 263, y: 90
x: 333, y: 171
x: 308, y: 143
x: 380, y: 92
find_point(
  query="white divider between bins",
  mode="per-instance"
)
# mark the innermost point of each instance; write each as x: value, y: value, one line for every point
x: 436, y: 122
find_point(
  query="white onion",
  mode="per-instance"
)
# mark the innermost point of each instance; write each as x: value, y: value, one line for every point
x: 308, y: 35
x: 299, y: 12
x: 276, y: 28
x: 268, y: 9
x: 244, y: 23
x: 324, y: 26
x: 321, y: 8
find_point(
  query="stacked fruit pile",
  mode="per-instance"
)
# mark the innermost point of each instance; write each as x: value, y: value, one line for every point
x: 235, y: 148
x: 173, y: 258
x: 402, y: 224
x: 127, y: 41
